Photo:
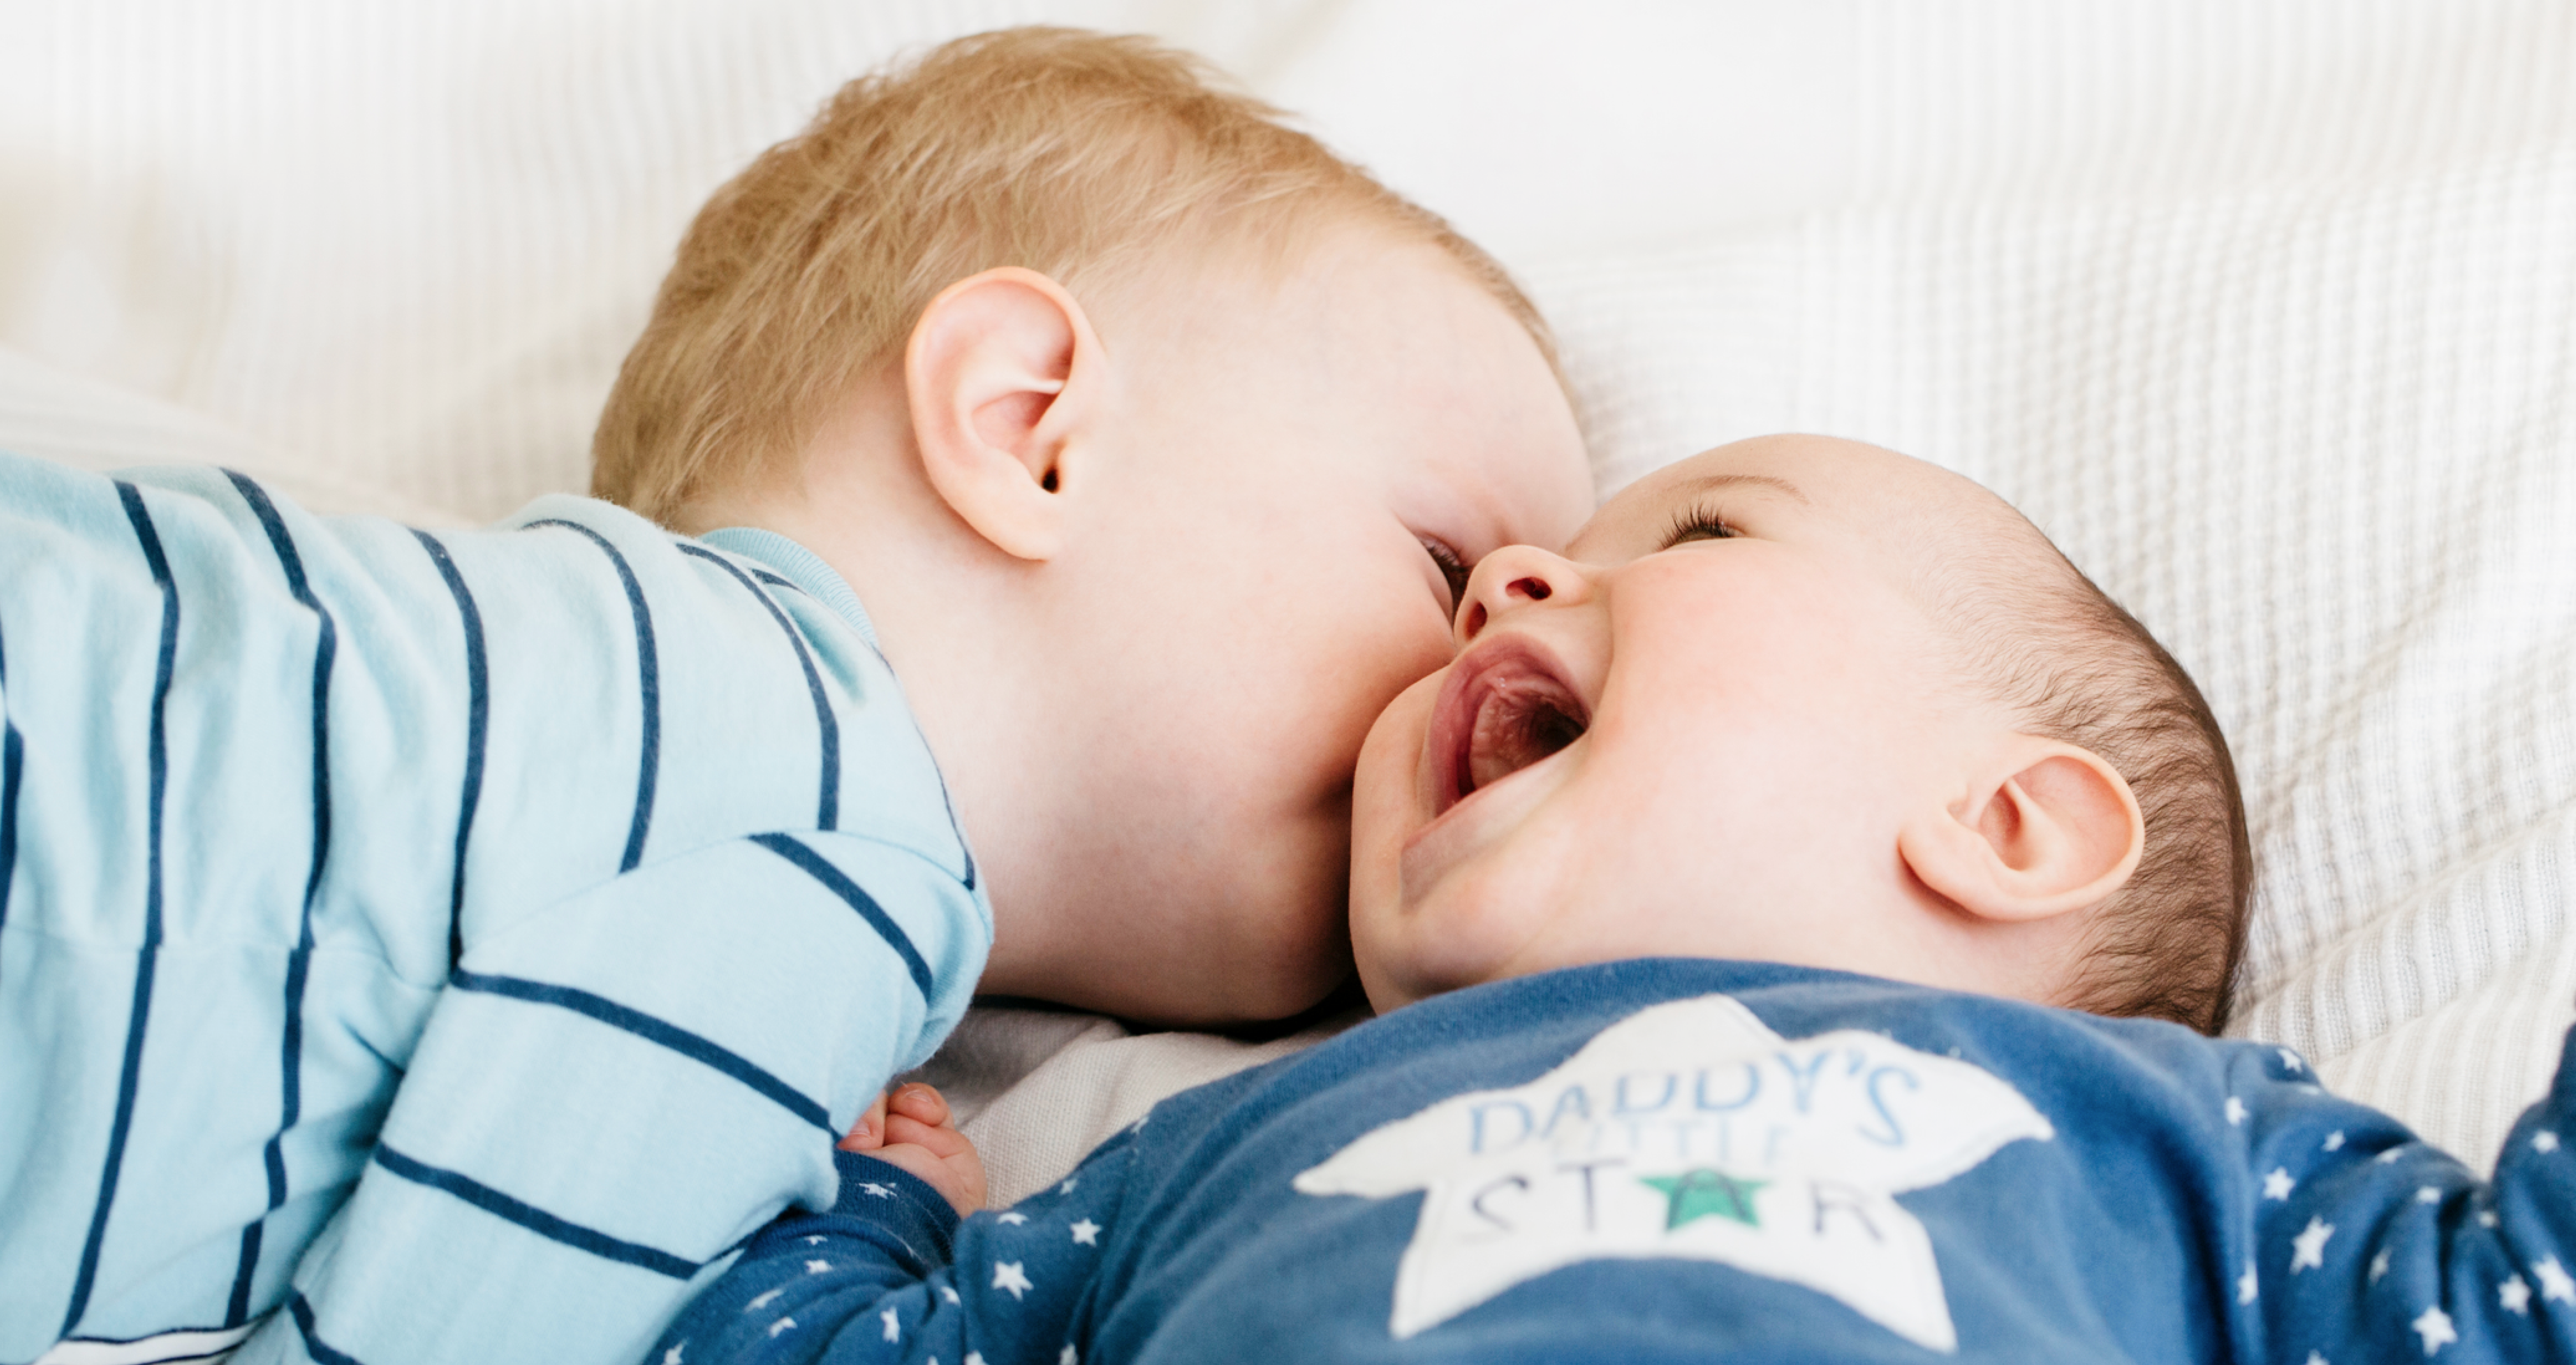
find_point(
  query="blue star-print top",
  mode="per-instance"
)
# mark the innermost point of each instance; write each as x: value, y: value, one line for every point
x: 1693, y: 1160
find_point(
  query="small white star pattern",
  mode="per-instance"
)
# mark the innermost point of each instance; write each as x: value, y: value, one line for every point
x: 2308, y: 1249
x: 2290, y: 1062
x: 1013, y: 1217
x: 1009, y: 1275
x: 1067, y: 1186
x: 2278, y: 1184
x: 2514, y: 1296
x: 948, y: 1293
x: 974, y: 1358
x: 817, y: 1267
x: 815, y: 1240
x: 2390, y: 1156
x: 2379, y: 1265
x: 2544, y: 1141
x: 2434, y: 1326
x: 2486, y: 1218
x: 2317, y: 1358
x: 2334, y: 1141
x: 782, y: 1325
x: 2428, y: 1194
x: 876, y: 1191
x: 1087, y: 1233
x: 2246, y: 1287
x: 763, y: 1301
x: 672, y: 1356
x: 2555, y: 1282
x: 893, y: 1332
x: 2235, y: 1111
x: 1068, y: 1356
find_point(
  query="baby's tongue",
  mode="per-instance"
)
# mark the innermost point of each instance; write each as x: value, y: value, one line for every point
x: 1520, y: 722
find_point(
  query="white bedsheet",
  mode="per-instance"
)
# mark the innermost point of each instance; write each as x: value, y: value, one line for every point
x: 2264, y: 310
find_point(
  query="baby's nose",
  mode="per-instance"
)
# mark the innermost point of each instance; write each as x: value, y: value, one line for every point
x: 1512, y: 576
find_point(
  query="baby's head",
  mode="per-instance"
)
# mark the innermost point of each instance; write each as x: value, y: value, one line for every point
x: 1803, y: 700
x: 1155, y: 439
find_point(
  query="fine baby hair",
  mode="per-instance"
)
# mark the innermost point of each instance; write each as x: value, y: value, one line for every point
x: 1093, y: 159
x: 2050, y: 643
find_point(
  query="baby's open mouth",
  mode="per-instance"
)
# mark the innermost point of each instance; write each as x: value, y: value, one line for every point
x: 1503, y: 712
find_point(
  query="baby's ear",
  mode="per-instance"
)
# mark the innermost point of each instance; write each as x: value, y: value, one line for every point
x: 999, y: 375
x: 2044, y: 828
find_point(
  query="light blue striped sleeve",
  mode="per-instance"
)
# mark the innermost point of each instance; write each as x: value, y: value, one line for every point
x: 613, y: 1095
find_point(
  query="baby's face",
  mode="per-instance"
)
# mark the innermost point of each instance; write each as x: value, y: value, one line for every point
x: 1696, y: 734
x: 1323, y: 448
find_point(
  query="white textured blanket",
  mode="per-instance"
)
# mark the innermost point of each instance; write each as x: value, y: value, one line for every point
x: 2263, y: 310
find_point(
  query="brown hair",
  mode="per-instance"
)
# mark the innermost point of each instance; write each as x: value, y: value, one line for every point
x: 1082, y: 156
x: 2083, y: 670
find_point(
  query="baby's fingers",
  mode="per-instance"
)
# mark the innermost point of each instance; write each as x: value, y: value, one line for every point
x: 919, y: 1115
x: 921, y: 1103
x: 869, y: 1133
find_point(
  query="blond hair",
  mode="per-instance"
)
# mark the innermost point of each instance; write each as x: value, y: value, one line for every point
x: 1082, y: 156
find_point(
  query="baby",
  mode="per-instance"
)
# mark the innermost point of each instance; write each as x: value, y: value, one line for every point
x: 1720, y: 896
x: 451, y: 947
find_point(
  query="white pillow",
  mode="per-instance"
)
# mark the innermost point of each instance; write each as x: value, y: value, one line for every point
x: 52, y: 414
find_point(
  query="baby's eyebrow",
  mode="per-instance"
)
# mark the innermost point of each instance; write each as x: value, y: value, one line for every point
x: 1711, y: 482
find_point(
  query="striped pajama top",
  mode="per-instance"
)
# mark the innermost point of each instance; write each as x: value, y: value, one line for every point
x: 434, y: 947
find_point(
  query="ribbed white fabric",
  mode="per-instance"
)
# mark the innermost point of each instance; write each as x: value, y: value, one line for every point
x: 2263, y: 310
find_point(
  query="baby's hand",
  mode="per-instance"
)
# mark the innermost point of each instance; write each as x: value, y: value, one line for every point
x: 912, y: 1128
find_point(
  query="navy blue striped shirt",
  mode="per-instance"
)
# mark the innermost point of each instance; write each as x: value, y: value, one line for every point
x: 459, y: 941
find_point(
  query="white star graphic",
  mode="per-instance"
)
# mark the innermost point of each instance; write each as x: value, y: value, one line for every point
x: 1068, y: 1356
x: 2486, y: 1218
x: 2514, y: 1296
x: 2290, y: 1061
x: 2389, y: 1156
x: 672, y: 1356
x: 2379, y: 1265
x: 2308, y: 1249
x: 2334, y: 1141
x: 2247, y: 1287
x: 1013, y: 1217
x: 2434, y: 1326
x: 2278, y: 1184
x: 974, y: 1358
x: 892, y: 1331
x: 1087, y: 1233
x: 876, y: 1191
x: 948, y: 1293
x: 815, y: 1240
x: 2317, y: 1358
x: 817, y: 1267
x: 1008, y: 1275
x: 783, y: 1324
x: 1067, y: 1186
x: 763, y: 1301
x: 2544, y: 1141
x: 1690, y: 1130
x: 2555, y: 1282
x: 2235, y: 1111
x: 2428, y: 1194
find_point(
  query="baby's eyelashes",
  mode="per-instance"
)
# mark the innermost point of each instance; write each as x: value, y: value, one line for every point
x: 1454, y: 568
x: 1697, y: 523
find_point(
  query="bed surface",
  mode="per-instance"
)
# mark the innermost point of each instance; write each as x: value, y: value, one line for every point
x: 2266, y: 313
